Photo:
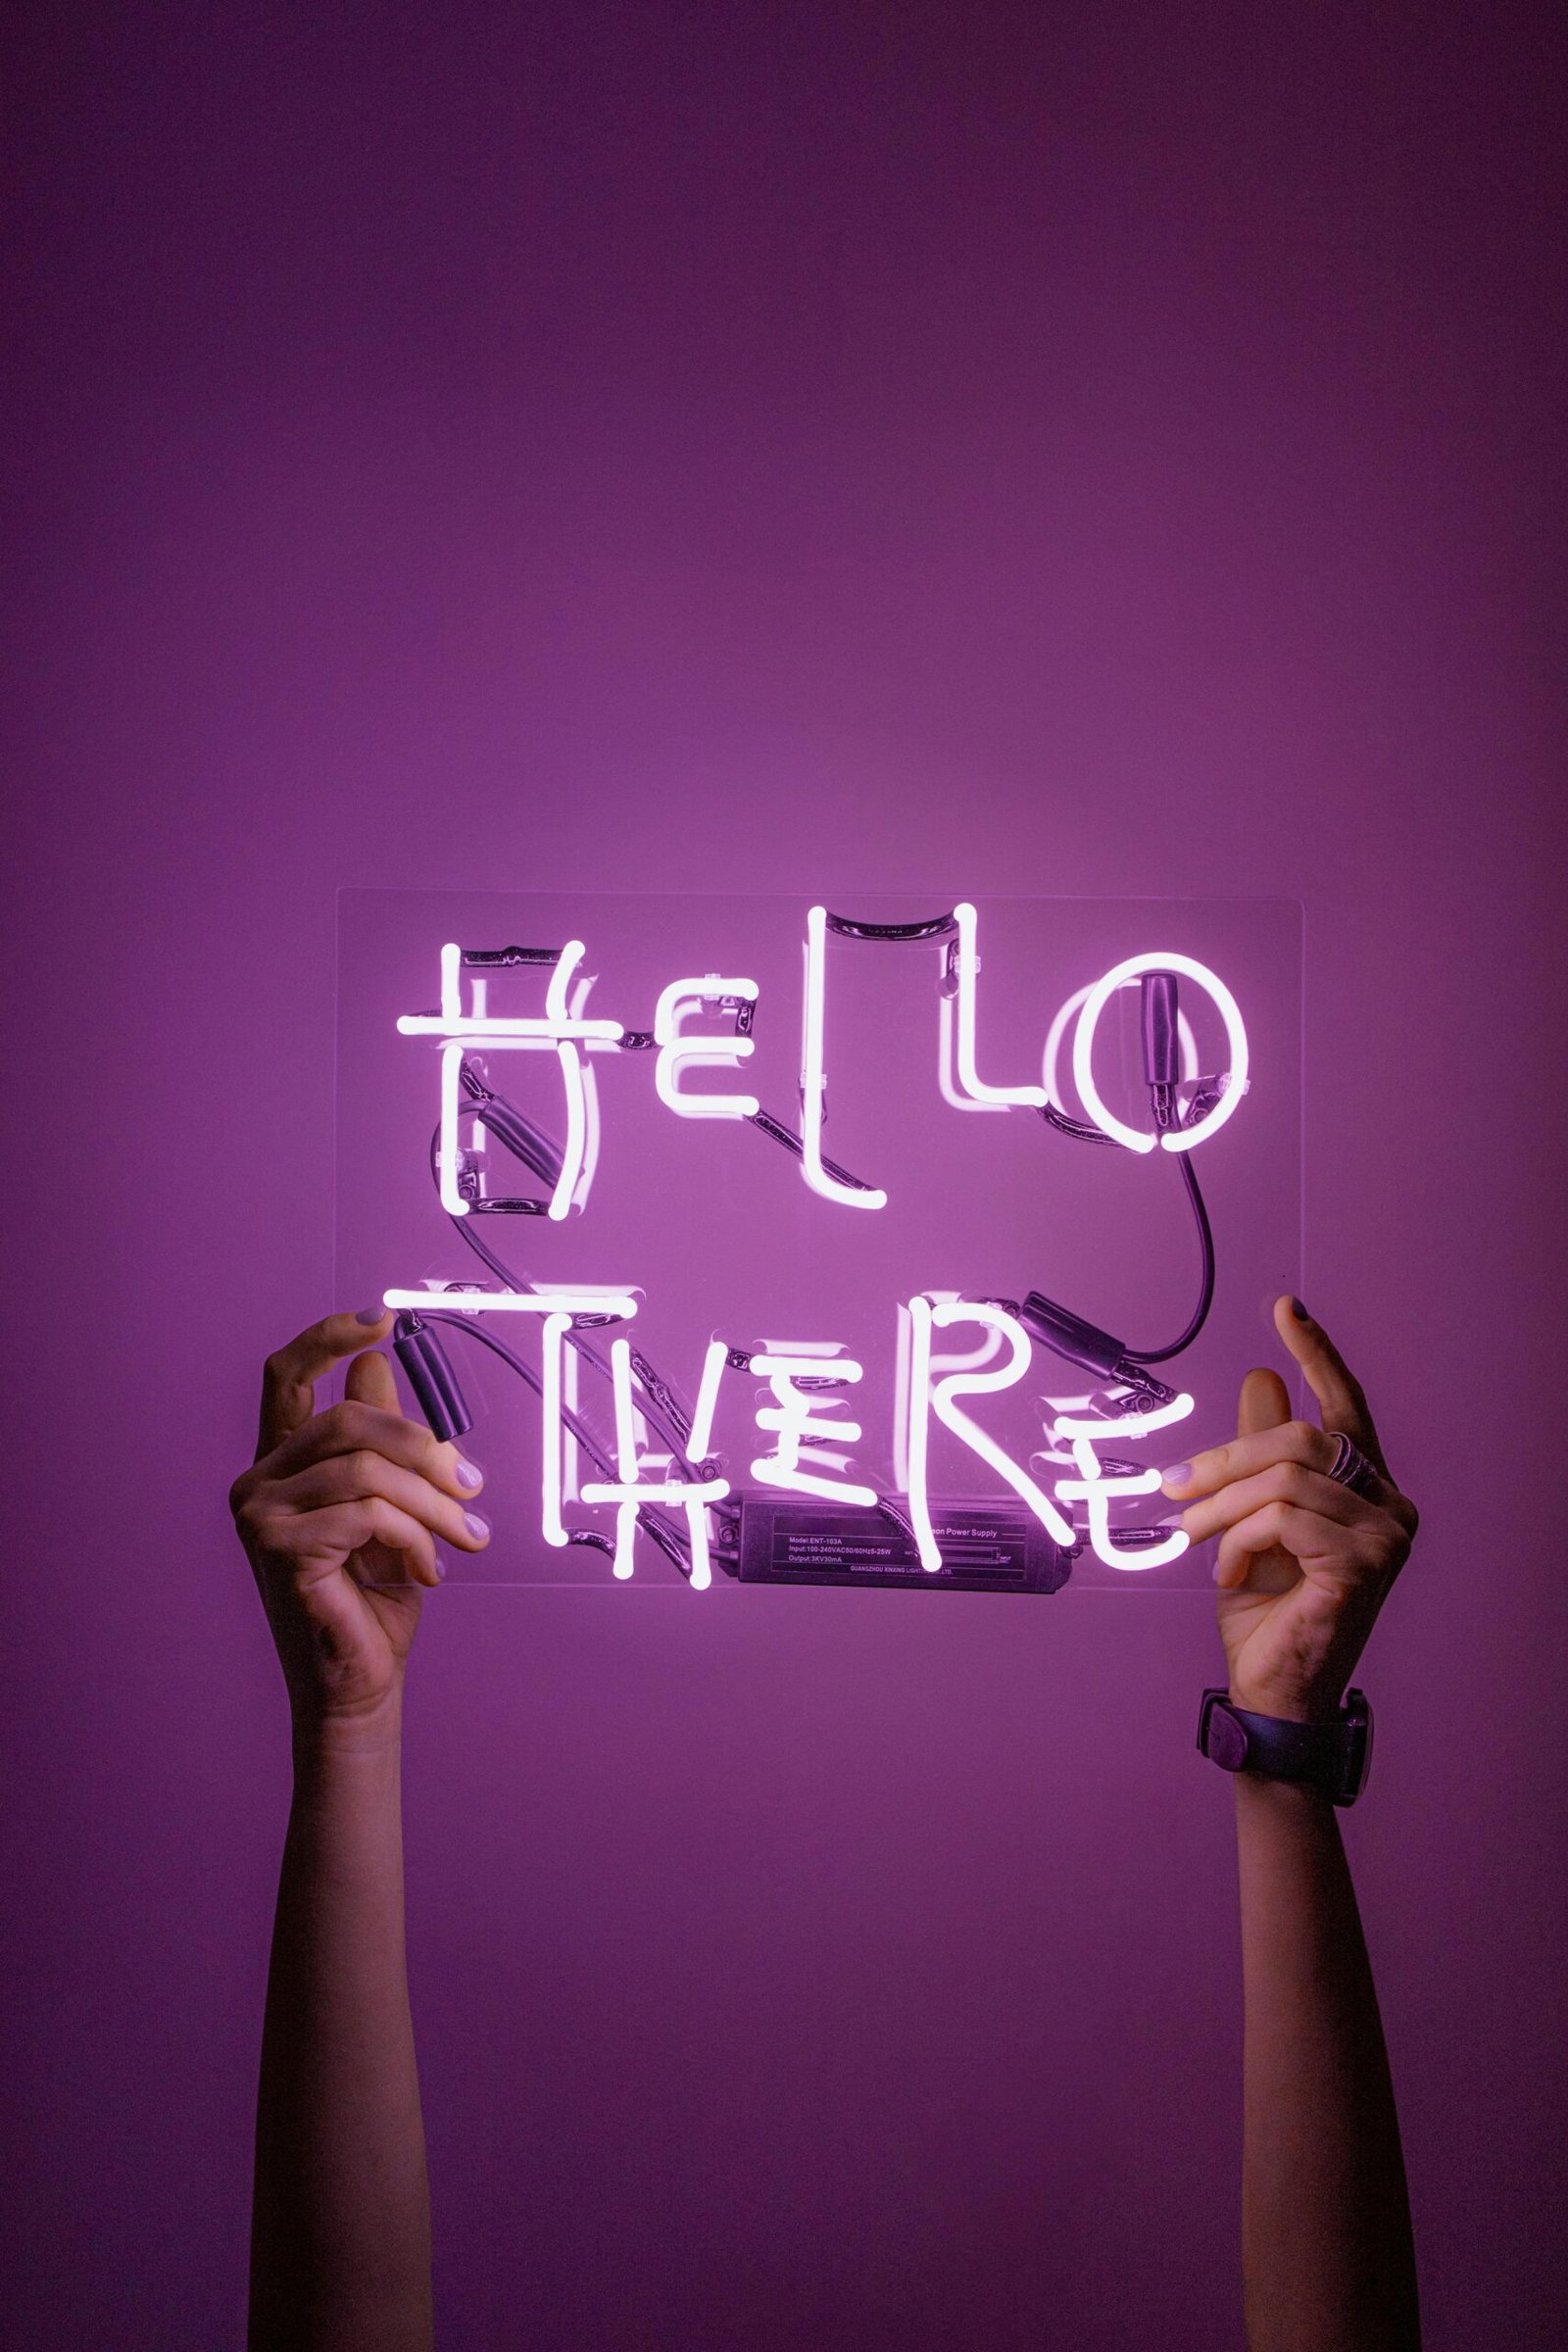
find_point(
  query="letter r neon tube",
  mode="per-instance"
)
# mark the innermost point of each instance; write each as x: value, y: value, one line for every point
x: 926, y: 1398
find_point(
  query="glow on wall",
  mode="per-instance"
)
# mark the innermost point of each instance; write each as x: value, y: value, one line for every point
x: 684, y: 1214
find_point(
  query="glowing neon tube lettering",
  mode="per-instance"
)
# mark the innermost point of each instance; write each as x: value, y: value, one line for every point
x: 632, y: 1494
x: 1181, y: 1139
x: 562, y: 1027
x: 587, y: 1301
x: 927, y: 1396
x: 970, y: 1361
x: 1095, y: 1492
x: 558, y: 1307
x: 813, y: 1077
x: 808, y: 1427
x: 678, y: 1052
x: 969, y: 1079
x: 945, y: 1079
x: 1050, y: 1063
x: 700, y: 1442
x: 553, y: 1431
x: 556, y: 1023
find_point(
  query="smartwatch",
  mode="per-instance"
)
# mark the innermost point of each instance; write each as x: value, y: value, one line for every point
x: 1334, y: 1756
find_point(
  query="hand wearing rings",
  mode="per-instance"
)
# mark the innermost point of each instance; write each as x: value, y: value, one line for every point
x: 1313, y: 1530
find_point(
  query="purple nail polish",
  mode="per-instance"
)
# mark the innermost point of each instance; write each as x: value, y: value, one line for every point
x: 477, y: 1527
x: 371, y: 1315
x: 1177, y: 1475
x: 468, y: 1474
x: 1300, y: 1311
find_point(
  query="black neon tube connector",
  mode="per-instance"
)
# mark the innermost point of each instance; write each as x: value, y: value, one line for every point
x: 431, y: 1378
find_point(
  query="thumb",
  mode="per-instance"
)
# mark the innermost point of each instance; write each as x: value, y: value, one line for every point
x: 1265, y: 1403
x: 369, y: 1381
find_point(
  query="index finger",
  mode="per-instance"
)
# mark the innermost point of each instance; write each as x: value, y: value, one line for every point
x: 1330, y: 1378
x: 290, y: 1375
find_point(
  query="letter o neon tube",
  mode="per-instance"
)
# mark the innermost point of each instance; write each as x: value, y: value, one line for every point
x: 1083, y: 1049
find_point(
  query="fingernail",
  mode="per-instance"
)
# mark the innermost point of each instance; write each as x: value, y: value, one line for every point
x: 478, y: 1528
x: 1300, y: 1311
x: 1177, y: 1475
x: 468, y: 1474
x: 440, y: 1566
x: 371, y: 1315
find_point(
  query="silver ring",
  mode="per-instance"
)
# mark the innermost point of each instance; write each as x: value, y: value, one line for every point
x: 1351, y: 1468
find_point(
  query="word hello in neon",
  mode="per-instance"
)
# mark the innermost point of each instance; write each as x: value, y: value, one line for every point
x: 564, y: 1029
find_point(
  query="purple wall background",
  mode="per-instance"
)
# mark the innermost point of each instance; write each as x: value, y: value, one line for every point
x: 771, y: 448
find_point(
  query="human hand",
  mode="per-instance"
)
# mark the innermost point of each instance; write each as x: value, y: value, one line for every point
x: 339, y: 1514
x: 1304, y: 1563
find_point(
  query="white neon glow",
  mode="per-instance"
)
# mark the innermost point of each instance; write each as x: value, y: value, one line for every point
x: 448, y: 1152
x: 985, y: 1353
x: 558, y: 1011
x: 1125, y: 1425
x: 1083, y: 1049
x: 1186, y: 1043
x: 813, y: 1077
x: 968, y: 966
x: 543, y: 1301
x: 677, y: 1053
x: 562, y: 1027
x: 556, y: 1022
x: 699, y: 1443
x: 552, y: 1429
x: 571, y: 1452
x: 927, y: 1396
x: 572, y: 1159
x: 1097, y: 1493
x: 807, y: 1419
x: 944, y: 1083
x: 631, y: 1493
x: 590, y: 1155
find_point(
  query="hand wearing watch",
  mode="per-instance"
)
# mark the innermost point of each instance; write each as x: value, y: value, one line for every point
x: 1334, y: 1757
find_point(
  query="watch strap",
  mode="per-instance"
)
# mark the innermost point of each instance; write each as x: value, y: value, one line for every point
x: 1331, y: 1756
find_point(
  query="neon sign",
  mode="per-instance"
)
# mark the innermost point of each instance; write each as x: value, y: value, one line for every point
x: 909, y: 1443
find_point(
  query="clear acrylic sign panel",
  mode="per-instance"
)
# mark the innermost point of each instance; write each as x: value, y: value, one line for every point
x: 848, y: 1248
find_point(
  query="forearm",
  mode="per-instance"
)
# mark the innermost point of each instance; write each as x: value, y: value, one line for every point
x: 340, y: 2253
x: 1328, y: 2260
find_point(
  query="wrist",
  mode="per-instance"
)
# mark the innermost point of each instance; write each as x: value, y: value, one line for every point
x: 1287, y: 1702
x: 326, y: 1736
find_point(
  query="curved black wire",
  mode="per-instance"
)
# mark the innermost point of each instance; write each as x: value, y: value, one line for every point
x: 1205, y: 1235
x: 1206, y: 1296
x: 1076, y: 1128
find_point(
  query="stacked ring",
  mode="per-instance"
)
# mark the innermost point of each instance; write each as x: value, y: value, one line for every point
x: 1351, y: 1468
